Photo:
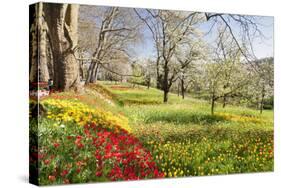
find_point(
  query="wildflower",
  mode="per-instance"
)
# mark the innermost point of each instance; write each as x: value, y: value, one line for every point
x: 66, y: 181
x: 98, y: 174
x: 64, y: 173
x: 52, y: 178
x: 56, y: 145
x: 80, y: 145
x: 62, y: 126
x: 46, y: 162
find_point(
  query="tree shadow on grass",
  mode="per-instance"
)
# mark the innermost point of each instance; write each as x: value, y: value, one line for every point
x: 184, y: 118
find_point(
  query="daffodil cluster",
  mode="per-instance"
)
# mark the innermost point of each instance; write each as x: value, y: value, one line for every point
x: 240, y: 118
x: 208, y: 151
x: 81, y: 114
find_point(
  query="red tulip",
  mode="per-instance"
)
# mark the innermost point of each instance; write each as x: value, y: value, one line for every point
x: 64, y: 173
x: 56, y: 145
x: 98, y: 174
x: 52, y: 178
x: 66, y: 181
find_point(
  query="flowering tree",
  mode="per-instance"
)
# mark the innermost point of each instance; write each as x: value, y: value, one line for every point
x: 169, y: 29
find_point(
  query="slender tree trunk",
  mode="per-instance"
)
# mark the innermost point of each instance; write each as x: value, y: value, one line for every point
x: 81, y: 65
x: 262, y: 100
x: 178, y: 89
x: 148, y: 83
x: 95, y: 75
x: 158, y: 76
x: 165, y: 84
x: 213, y: 104
x: 224, y: 101
x: 182, y: 88
x: 62, y: 21
x: 90, y: 71
x: 165, y: 100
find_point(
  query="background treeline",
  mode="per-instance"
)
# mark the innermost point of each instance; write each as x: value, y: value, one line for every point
x: 77, y: 45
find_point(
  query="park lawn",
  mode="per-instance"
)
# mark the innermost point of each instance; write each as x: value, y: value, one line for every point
x: 177, y: 139
x: 186, y: 140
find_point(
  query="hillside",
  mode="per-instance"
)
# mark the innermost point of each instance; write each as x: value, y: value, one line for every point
x: 177, y: 139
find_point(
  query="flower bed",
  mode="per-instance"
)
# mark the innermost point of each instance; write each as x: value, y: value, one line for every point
x: 92, y: 153
x: 81, y: 144
x: 240, y: 118
x: 214, y: 150
x: 75, y: 111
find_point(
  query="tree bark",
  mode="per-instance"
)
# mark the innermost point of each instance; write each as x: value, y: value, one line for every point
x: 165, y: 99
x: 95, y: 76
x: 178, y: 89
x: 43, y: 60
x: 90, y: 71
x: 81, y: 65
x: 62, y: 21
x: 213, y: 104
x: 262, y: 100
x: 33, y: 73
x: 224, y: 101
x: 92, y: 74
x: 148, y: 83
x: 165, y: 84
x: 158, y: 75
x: 182, y: 88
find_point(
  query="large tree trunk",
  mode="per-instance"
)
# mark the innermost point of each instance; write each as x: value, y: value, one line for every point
x: 62, y: 20
x: 50, y: 62
x: 33, y: 72
x: 39, y: 60
x: 43, y: 60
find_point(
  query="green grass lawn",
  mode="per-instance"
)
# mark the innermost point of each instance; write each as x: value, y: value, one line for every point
x: 186, y: 140
x: 112, y: 129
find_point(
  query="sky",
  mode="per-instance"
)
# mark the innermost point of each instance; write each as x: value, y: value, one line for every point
x: 263, y: 47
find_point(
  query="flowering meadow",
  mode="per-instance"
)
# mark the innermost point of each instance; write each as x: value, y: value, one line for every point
x: 186, y: 140
x: 108, y: 134
x: 81, y: 144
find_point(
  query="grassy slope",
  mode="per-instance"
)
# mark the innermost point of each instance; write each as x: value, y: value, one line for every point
x: 184, y: 139
x: 188, y: 126
x: 143, y: 105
